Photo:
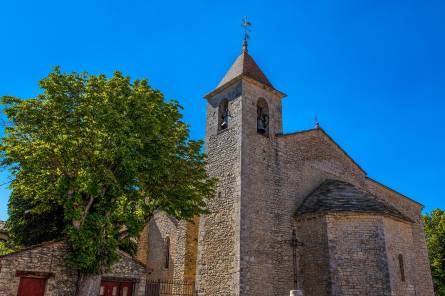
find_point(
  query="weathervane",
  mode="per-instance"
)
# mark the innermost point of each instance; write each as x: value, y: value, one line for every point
x: 246, y: 24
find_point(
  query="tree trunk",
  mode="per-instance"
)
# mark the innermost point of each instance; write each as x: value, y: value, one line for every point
x: 88, y: 285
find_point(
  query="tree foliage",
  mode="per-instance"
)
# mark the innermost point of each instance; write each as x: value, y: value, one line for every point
x: 100, y: 154
x: 434, y: 224
x: 27, y: 227
x: 5, y: 248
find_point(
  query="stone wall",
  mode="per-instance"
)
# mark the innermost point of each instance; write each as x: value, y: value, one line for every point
x: 191, y: 250
x: 305, y: 160
x: 218, y: 243
x: 160, y: 228
x: 48, y: 260
x: 129, y: 269
x: 399, y: 241
x: 308, y: 158
x: 356, y: 254
x: 423, y: 279
x: 277, y: 173
x: 313, y: 256
x: 260, y: 185
x: 3, y: 232
x: 143, y: 245
x: 358, y: 261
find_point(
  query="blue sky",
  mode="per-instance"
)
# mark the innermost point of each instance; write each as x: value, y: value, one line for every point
x: 373, y: 71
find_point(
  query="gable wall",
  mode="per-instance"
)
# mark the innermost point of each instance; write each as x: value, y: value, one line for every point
x: 307, y: 159
x: 160, y: 228
x: 304, y: 161
x: 48, y: 258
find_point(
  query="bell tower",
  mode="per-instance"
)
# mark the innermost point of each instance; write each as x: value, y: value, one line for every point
x: 243, y: 118
x: 244, y: 75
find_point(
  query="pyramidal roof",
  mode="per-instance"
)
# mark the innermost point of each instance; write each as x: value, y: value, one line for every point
x: 244, y: 65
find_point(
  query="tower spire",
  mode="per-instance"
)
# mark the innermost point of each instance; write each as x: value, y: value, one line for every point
x: 246, y: 24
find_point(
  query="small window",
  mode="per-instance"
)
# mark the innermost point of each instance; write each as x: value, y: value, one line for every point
x: 167, y: 253
x: 262, y: 125
x: 402, y: 268
x: 223, y: 115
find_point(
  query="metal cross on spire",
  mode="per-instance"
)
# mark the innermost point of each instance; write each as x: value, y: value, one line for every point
x: 246, y: 24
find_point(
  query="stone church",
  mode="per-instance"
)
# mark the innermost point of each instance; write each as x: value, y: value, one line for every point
x: 291, y: 211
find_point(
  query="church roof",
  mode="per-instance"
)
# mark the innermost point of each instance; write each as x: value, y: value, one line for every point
x: 337, y: 196
x: 245, y: 65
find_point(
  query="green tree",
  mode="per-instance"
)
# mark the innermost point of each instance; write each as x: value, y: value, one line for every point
x: 5, y: 248
x: 28, y: 227
x: 107, y: 152
x: 434, y: 224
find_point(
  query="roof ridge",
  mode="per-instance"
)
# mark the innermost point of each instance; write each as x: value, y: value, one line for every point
x: 31, y: 247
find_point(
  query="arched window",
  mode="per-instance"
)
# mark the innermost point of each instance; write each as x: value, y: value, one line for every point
x: 402, y: 267
x: 167, y: 252
x: 223, y: 115
x: 262, y: 125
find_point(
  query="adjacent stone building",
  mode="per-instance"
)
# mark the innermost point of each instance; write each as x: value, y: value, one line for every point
x: 4, y: 237
x: 41, y: 270
x: 292, y: 211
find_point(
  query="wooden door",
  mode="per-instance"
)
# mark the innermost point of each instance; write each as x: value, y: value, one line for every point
x: 109, y: 289
x: 126, y: 289
x: 31, y: 286
x: 113, y: 288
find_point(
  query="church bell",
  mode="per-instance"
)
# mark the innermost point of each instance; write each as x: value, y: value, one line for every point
x: 260, y: 126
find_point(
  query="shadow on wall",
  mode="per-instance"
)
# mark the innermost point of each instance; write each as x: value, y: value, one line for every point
x: 160, y: 245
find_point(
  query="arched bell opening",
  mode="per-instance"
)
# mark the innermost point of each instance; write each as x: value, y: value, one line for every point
x: 262, y: 117
x: 223, y: 115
